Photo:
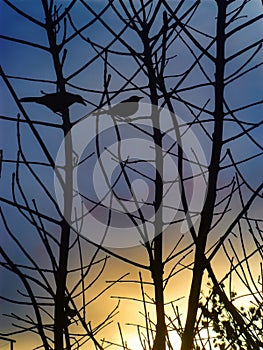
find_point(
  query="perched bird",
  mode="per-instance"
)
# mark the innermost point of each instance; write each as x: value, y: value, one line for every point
x: 57, y: 102
x: 69, y: 315
x: 124, y: 109
x: 71, y: 312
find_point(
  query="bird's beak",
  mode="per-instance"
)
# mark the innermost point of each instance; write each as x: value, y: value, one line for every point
x: 83, y: 102
x: 141, y: 98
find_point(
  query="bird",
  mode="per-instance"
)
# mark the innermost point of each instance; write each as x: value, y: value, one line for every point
x: 71, y: 312
x: 57, y: 102
x: 123, y: 109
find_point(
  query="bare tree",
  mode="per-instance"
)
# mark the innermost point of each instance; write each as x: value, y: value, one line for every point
x: 199, y: 204
x: 60, y: 304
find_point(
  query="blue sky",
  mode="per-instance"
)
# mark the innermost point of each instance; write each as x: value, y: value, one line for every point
x: 24, y: 61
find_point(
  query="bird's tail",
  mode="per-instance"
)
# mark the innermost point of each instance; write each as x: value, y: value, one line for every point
x: 28, y: 99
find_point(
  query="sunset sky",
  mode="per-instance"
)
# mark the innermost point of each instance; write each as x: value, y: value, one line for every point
x: 23, y: 61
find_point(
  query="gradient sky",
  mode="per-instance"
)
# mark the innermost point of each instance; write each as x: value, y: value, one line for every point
x: 23, y: 61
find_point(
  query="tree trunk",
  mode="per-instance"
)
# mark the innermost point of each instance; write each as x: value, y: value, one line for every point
x: 208, y: 209
x: 60, y: 318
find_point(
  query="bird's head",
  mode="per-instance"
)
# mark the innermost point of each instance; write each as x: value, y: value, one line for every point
x: 79, y: 99
x: 135, y: 98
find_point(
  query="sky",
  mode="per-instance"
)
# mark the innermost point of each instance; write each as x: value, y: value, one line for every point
x: 23, y: 61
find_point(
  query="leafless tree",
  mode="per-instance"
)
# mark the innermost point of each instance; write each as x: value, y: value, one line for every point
x: 188, y: 60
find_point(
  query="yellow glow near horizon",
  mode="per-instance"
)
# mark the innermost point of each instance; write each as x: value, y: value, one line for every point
x: 133, y: 341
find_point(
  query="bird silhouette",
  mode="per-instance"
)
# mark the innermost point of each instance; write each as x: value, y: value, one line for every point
x: 57, y: 102
x: 124, y: 109
x: 71, y: 312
